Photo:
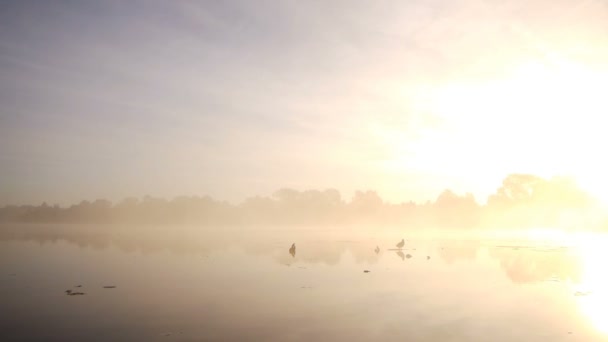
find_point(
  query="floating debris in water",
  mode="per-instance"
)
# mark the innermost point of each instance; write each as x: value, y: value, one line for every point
x: 366, y: 271
x: 78, y: 286
x: 110, y: 287
x: 581, y: 293
x: 76, y: 293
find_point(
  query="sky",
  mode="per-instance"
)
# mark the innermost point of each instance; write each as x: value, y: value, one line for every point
x: 109, y: 99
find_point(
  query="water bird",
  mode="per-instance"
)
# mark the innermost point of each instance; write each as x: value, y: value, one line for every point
x: 292, y: 250
x: 401, y: 243
x: 377, y: 250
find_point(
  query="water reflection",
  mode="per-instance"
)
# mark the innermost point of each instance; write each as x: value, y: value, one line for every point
x: 521, y: 264
x: 330, y: 265
x: 458, y: 250
x: 531, y: 264
x: 593, y: 283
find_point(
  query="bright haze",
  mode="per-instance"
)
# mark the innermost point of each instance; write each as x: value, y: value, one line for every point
x: 108, y: 99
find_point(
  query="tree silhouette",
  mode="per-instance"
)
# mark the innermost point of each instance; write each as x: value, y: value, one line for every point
x: 522, y: 200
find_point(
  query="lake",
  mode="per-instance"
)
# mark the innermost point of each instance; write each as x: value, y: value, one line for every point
x: 121, y: 283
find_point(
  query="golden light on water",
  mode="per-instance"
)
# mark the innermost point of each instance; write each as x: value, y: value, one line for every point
x: 592, y: 297
x: 547, y: 235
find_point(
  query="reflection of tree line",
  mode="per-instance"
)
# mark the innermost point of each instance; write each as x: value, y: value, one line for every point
x: 520, y: 264
x: 328, y: 253
x: 532, y: 265
x: 458, y: 250
x: 521, y: 200
x: 101, y: 240
x: 316, y: 252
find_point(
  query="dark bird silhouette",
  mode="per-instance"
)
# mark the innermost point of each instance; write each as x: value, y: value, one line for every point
x: 377, y: 250
x: 401, y: 243
x: 292, y: 250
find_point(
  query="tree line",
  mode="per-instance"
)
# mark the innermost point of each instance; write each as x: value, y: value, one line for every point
x: 521, y: 200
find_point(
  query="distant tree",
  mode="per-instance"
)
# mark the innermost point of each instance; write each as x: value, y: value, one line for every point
x: 366, y: 202
x: 516, y: 188
x: 452, y: 210
x: 525, y: 199
x: 307, y: 207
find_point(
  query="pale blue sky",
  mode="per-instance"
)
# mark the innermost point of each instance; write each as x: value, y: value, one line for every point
x: 108, y: 99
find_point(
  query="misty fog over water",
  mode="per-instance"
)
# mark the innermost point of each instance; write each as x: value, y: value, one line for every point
x: 344, y: 170
x: 193, y: 283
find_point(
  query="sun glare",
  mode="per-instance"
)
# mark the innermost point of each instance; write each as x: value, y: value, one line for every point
x: 544, y: 118
x: 591, y: 292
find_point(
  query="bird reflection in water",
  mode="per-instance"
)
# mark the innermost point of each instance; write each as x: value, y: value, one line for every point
x: 400, y: 254
x: 292, y: 250
x: 377, y: 250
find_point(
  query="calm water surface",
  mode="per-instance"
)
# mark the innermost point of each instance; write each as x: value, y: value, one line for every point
x: 185, y: 284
